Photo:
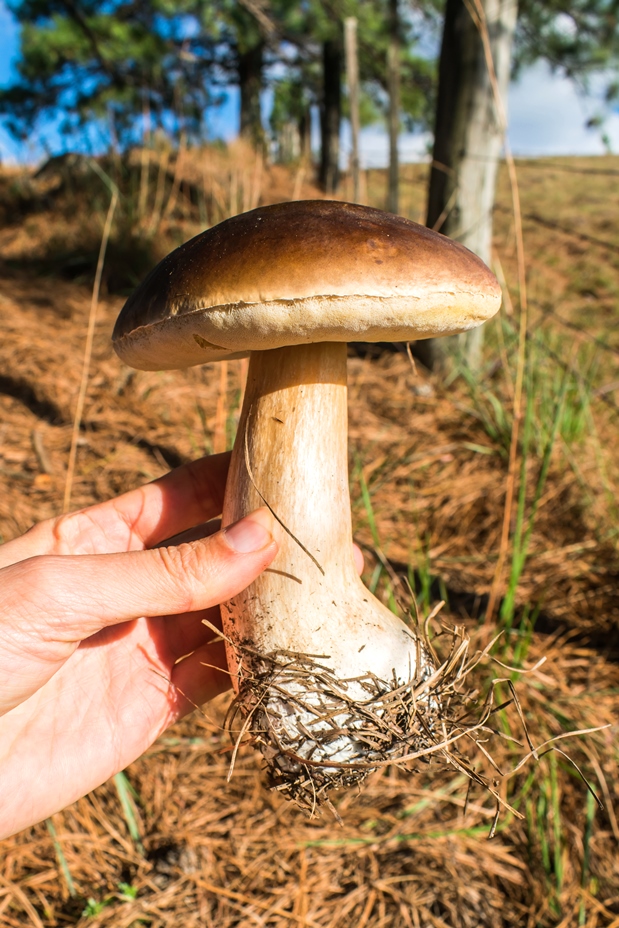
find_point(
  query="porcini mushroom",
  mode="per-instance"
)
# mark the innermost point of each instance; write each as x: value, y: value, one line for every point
x: 328, y: 679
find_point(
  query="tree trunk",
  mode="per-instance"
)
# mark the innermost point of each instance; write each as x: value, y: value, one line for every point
x: 468, y: 137
x: 305, y: 134
x: 331, y: 113
x: 352, y: 79
x: 250, y: 84
x: 393, y: 80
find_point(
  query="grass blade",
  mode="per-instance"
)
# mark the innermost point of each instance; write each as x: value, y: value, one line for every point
x: 62, y: 860
x: 126, y: 795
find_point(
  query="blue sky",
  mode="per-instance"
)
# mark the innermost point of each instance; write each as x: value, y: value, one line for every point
x: 547, y: 117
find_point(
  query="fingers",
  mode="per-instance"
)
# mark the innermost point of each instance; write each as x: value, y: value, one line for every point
x: 49, y: 604
x: 84, y: 594
x: 357, y: 554
x: 140, y: 518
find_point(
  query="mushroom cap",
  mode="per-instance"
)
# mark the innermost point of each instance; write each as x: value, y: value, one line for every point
x: 301, y: 272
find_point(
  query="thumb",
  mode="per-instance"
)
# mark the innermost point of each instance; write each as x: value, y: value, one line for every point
x: 76, y: 596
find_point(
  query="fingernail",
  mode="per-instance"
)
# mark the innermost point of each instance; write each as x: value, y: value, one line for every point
x: 252, y: 533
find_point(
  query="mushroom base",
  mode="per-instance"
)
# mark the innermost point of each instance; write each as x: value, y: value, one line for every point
x: 318, y: 733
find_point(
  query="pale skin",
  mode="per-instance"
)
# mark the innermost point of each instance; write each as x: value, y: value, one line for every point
x: 87, y: 682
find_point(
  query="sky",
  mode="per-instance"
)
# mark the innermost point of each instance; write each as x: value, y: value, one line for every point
x: 547, y: 116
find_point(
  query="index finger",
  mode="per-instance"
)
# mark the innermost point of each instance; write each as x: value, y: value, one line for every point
x: 138, y: 519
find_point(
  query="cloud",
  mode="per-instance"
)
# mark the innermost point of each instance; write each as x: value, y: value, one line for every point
x: 374, y: 146
x: 547, y: 116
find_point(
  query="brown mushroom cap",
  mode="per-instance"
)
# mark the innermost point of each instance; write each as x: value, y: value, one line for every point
x: 301, y: 272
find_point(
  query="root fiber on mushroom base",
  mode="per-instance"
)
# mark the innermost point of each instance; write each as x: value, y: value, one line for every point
x: 318, y: 733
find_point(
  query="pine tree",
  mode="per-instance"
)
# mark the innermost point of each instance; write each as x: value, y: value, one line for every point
x: 105, y: 63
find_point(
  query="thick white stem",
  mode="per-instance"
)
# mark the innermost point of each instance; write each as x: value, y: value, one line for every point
x: 291, y: 451
x: 315, y: 657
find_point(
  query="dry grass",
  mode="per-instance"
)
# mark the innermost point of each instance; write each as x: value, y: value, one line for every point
x: 428, y: 464
x: 408, y: 853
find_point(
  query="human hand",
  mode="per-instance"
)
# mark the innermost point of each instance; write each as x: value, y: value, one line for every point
x: 87, y: 682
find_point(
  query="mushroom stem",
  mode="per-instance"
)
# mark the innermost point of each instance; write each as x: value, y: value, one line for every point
x: 293, y: 435
x: 309, y: 606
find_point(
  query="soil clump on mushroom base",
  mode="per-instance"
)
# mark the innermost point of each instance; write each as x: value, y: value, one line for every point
x: 319, y: 732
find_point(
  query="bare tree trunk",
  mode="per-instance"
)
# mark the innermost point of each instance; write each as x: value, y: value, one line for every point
x: 250, y: 64
x: 352, y: 78
x: 467, y: 143
x: 305, y: 134
x: 393, y: 80
x: 331, y: 114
